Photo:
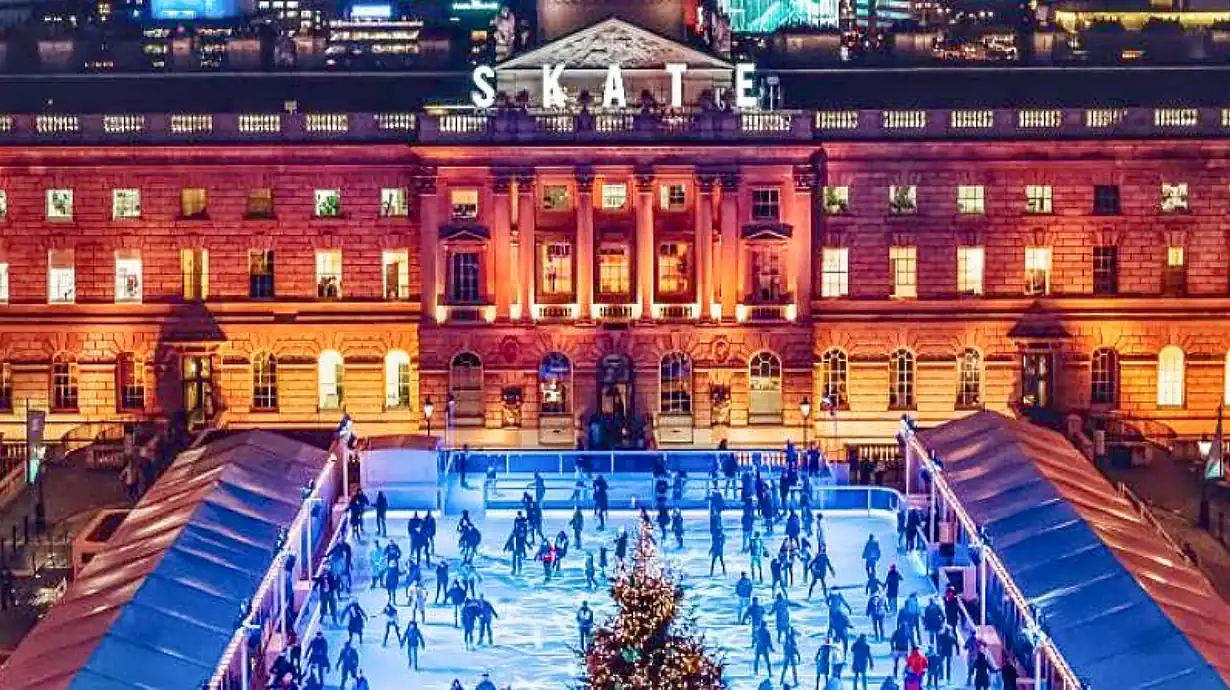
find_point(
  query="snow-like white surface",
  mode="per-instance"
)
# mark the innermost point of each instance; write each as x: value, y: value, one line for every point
x: 536, y: 632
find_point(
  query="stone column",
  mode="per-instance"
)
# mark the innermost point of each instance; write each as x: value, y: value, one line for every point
x: 730, y: 245
x: 429, y: 242
x: 802, y: 241
x: 585, y: 244
x: 704, y: 244
x: 525, y: 228
x: 644, y: 242
x: 501, y: 237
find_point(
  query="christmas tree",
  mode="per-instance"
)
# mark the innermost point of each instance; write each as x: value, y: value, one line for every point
x: 644, y: 647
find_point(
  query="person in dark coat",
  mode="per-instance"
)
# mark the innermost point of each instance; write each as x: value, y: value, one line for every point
x: 716, y: 552
x: 763, y: 645
x: 1008, y: 672
x: 933, y: 620
x: 382, y: 513
x: 861, y: 660
x: 952, y: 606
x: 413, y: 641
x: 892, y: 587
x: 946, y: 645
x: 982, y: 672
x: 820, y: 568
x: 677, y: 526
x: 348, y: 662
x: 871, y: 555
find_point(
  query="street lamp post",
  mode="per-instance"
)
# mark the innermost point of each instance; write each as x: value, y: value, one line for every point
x: 805, y: 410
x: 450, y: 405
x: 428, y: 408
x: 1206, y: 449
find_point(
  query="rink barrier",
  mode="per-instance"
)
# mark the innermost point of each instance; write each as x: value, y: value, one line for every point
x: 614, y: 461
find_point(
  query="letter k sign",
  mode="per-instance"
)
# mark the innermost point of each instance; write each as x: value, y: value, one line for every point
x: 552, y: 92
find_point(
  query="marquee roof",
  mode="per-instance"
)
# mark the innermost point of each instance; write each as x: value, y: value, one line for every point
x: 158, y: 607
x: 1122, y: 604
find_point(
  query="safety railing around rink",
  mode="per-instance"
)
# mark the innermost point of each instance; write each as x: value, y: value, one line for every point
x: 615, y: 461
x: 272, y: 611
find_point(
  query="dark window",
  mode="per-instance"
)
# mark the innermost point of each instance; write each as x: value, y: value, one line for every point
x: 1104, y: 377
x: 63, y: 384
x: 1106, y: 199
x: 6, y: 386
x: 1105, y: 270
x: 260, y: 273
x: 130, y: 380
x: 1174, y: 273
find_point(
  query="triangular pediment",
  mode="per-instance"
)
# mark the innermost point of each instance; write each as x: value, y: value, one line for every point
x: 614, y: 41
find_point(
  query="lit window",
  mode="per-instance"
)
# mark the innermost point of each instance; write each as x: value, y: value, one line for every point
x: 902, y: 199
x: 465, y: 383
x: 970, y: 201
x: 768, y: 273
x: 397, y: 380
x: 904, y: 264
x: 63, y: 384
x: 1037, y: 270
x: 330, y: 375
x: 766, y: 204
x: 4, y: 282
x: 901, y: 380
x: 1225, y: 397
x: 834, y: 272
x: 765, y: 386
x: 264, y: 381
x: 464, y: 270
x: 464, y: 204
x: 969, y: 379
x: 329, y: 273
x: 194, y: 265
x: 676, y: 384
x: 4, y: 204
x: 673, y: 197
x: 614, y: 196
x: 125, y: 203
x: 260, y: 203
x: 555, y: 197
x: 59, y: 204
x: 1174, y: 198
x: 127, y: 276
x: 1174, y: 274
x: 130, y: 382
x: 396, y: 266
x: 970, y: 265
x: 555, y: 260
x: 1038, y: 198
x: 260, y: 274
x: 614, y: 270
x: 1104, y: 377
x: 674, y: 268
x: 1106, y: 200
x: 328, y: 203
x: 1171, y: 375
x: 1105, y: 270
x: 834, y: 371
x: 192, y: 202
x: 61, y: 276
x: 394, y: 202
x: 836, y: 200
x: 555, y: 384
x: 6, y: 386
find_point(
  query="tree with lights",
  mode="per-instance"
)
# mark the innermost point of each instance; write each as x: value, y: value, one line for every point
x: 644, y: 647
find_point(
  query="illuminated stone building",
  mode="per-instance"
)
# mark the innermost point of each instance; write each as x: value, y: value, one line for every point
x: 707, y: 270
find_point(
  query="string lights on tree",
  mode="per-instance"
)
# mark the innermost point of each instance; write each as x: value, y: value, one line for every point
x: 645, y: 646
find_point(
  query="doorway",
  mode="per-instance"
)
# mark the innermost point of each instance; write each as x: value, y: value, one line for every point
x: 1038, y: 380
x: 198, y: 390
x: 615, y: 394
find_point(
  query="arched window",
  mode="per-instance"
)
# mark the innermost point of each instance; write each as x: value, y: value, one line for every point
x: 264, y: 381
x: 331, y: 376
x: 676, y: 377
x: 6, y: 386
x: 1170, y: 376
x: 834, y: 370
x: 555, y: 382
x: 1226, y: 395
x: 465, y: 383
x: 765, y: 385
x: 901, y: 380
x: 397, y: 379
x: 130, y: 382
x: 969, y: 379
x: 1104, y: 377
x: 63, y: 383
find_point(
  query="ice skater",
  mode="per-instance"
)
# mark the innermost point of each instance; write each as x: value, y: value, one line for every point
x: 754, y: 615
x: 591, y: 579
x: 318, y: 657
x: 716, y: 551
x: 375, y: 562
x: 824, y: 663
x: 743, y: 589
x: 486, y: 612
x: 413, y: 641
x: 585, y: 624
x: 517, y: 543
x: 441, y: 581
x: 790, y: 656
x: 601, y: 501
x: 391, y: 622
x: 763, y: 645
x: 457, y: 598
x: 781, y: 616
x: 820, y: 568
x: 382, y: 513
x: 892, y: 586
x: 577, y: 523
x: 546, y: 555
x: 347, y: 662
x: 469, y: 577
x: 355, y: 618
x: 756, y: 554
x: 877, y: 611
x: 621, y: 545
x: 871, y: 555
x: 861, y: 660
x: 677, y: 526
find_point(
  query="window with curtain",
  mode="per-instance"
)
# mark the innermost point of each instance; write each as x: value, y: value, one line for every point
x: 834, y: 371
x: 1171, y: 375
x: 264, y: 381
x: 901, y: 380
x: 969, y: 379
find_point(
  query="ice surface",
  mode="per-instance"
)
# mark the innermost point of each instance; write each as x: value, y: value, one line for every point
x: 536, y: 634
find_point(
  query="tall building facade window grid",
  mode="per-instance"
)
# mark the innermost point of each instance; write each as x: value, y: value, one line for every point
x: 125, y: 203
x: 463, y: 204
x: 614, y: 196
x: 327, y: 203
x: 969, y: 379
x: 1174, y: 197
x: 194, y: 268
x: 264, y: 382
x: 901, y: 380
x: 676, y: 384
x: 394, y: 202
x: 1038, y: 199
x: 971, y: 200
x: 834, y: 373
x: 836, y: 200
x: 902, y: 200
x: 768, y: 272
x: 193, y: 202
x: 1106, y: 200
x: 396, y: 269
x: 1104, y: 377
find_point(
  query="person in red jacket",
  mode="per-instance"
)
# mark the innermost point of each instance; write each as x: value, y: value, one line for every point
x: 915, y: 669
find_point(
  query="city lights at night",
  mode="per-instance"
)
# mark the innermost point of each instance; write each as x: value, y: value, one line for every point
x: 597, y: 345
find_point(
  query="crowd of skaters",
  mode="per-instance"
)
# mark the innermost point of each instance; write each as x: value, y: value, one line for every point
x: 923, y: 642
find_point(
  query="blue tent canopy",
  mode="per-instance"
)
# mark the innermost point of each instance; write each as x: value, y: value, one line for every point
x: 1121, y: 603
x: 157, y: 609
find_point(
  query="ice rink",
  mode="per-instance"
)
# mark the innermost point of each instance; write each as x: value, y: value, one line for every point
x: 535, y: 635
